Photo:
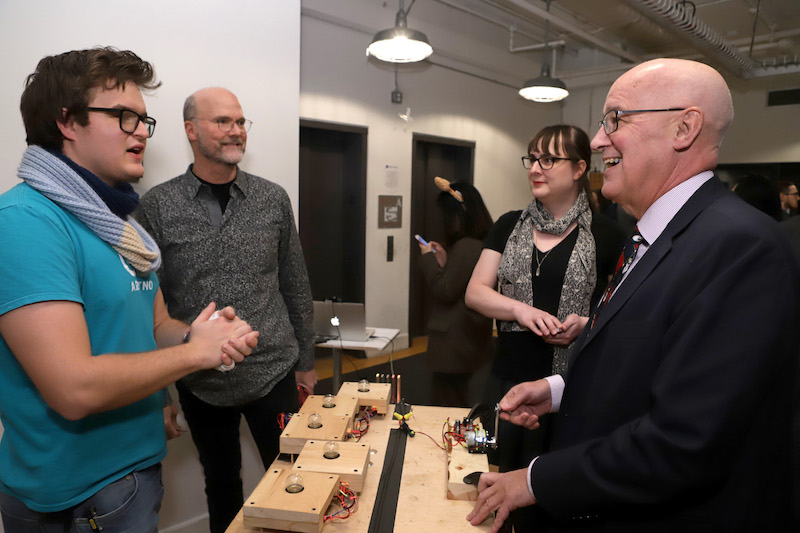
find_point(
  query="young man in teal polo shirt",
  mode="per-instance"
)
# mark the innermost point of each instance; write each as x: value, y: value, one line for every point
x: 87, y: 343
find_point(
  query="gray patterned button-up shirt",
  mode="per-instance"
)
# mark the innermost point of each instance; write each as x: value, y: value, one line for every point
x: 248, y: 257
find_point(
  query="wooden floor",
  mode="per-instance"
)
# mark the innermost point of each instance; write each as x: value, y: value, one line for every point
x: 352, y: 362
x: 411, y: 363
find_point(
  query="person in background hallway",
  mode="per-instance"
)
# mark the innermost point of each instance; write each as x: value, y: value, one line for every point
x: 760, y: 192
x: 677, y: 408
x: 601, y: 203
x: 616, y: 213
x: 547, y: 260
x: 789, y: 196
x: 230, y: 236
x: 87, y: 345
x: 459, y: 339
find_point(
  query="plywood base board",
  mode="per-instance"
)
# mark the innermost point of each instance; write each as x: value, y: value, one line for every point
x: 351, y: 465
x: 270, y: 506
x: 462, y: 463
x: 344, y: 405
x: 377, y: 396
x: 297, y: 432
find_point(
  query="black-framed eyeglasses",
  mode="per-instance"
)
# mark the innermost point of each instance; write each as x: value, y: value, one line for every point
x: 128, y: 119
x: 225, y: 124
x: 546, y: 162
x: 610, y: 120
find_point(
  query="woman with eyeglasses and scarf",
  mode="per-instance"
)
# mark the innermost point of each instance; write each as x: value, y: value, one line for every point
x: 539, y: 272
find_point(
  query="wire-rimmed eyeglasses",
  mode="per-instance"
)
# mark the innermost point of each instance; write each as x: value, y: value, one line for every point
x: 225, y: 124
x: 546, y: 162
x: 610, y: 120
x: 128, y: 119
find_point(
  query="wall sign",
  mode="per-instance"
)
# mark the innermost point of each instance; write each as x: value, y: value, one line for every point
x: 390, y: 211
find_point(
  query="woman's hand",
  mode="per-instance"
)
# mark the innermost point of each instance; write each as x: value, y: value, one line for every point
x: 540, y: 322
x: 441, y: 253
x: 438, y: 251
x: 572, y: 325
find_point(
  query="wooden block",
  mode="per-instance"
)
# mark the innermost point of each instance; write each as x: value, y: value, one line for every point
x: 344, y: 406
x: 377, y: 396
x: 350, y: 466
x: 462, y: 463
x: 297, y: 432
x: 270, y: 506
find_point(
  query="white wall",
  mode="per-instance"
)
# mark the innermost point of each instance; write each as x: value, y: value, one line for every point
x: 248, y: 46
x: 761, y: 134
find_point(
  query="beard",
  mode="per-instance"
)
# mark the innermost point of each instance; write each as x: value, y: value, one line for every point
x: 230, y: 153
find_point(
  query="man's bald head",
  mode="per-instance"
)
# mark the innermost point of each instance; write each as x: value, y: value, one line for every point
x: 217, y: 131
x: 204, y: 97
x: 686, y: 83
x: 667, y: 119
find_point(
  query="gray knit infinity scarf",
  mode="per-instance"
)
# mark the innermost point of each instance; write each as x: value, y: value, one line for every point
x: 514, y: 272
x: 57, y: 181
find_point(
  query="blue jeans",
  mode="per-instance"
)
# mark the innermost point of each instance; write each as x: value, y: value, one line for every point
x: 128, y: 505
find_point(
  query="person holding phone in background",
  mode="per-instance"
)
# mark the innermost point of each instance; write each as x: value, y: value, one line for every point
x: 459, y: 339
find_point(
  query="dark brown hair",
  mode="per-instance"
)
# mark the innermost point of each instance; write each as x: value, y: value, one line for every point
x: 64, y: 81
x: 573, y: 143
x: 467, y: 219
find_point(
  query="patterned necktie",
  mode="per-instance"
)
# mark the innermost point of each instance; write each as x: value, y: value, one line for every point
x: 623, y: 265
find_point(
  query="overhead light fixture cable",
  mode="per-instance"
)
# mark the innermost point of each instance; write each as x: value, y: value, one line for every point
x: 400, y: 44
x: 755, y: 25
x: 545, y: 88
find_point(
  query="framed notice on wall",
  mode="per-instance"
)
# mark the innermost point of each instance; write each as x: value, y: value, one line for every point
x: 390, y: 211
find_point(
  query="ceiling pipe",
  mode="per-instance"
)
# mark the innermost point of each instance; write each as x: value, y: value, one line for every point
x: 511, y: 29
x: 673, y: 17
x: 551, y: 44
x: 567, y: 27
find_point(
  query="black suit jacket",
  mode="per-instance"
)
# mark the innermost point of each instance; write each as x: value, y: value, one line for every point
x: 676, y: 413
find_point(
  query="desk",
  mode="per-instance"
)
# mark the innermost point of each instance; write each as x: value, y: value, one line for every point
x: 377, y: 342
x: 422, y: 504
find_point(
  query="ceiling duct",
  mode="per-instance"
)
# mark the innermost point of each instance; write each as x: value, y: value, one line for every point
x: 673, y: 16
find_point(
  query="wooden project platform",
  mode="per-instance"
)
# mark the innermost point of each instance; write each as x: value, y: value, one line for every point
x: 345, y: 405
x: 271, y: 506
x: 422, y: 503
x: 377, y: 396
x: 462, y: 463
x: 351, y: 465
x: 297, y: 432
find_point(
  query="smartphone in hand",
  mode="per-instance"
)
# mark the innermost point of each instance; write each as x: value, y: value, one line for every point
x: 421, y: 240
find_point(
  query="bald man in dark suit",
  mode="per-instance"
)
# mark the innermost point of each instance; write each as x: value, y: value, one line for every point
x: 675, y: 413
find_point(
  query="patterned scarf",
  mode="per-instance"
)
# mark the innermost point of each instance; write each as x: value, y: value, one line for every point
x: 514, y: 273
x: 57, y: 181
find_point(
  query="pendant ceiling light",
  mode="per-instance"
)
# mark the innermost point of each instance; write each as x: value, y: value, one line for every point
x: 544, y: 88
x: 400, y: 44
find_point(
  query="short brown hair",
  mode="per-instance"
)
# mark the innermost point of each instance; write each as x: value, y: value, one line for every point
x: 574, y: 142
x: 64, y: 81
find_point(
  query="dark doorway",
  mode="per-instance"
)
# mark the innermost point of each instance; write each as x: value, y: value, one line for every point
x: 452, y: 160
x: 332, y: 211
